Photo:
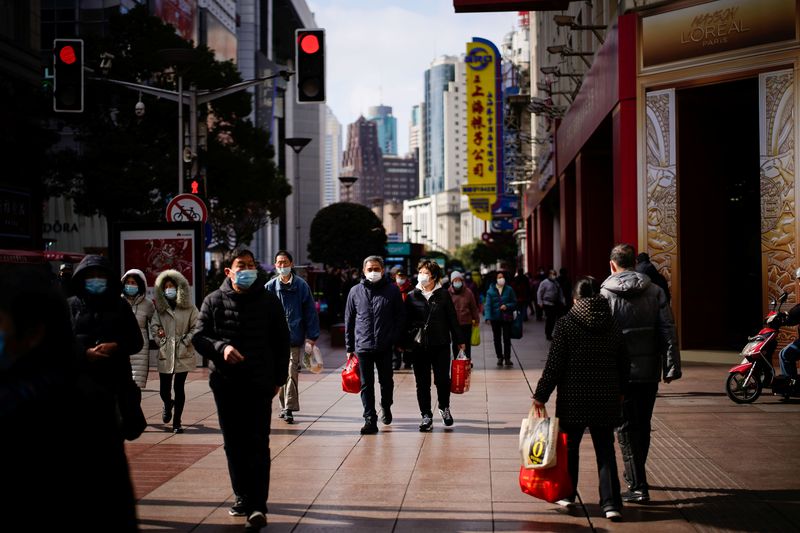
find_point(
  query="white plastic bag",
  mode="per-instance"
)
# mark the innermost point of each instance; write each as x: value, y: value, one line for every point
x: 312, y: 358
x: 538, y: 437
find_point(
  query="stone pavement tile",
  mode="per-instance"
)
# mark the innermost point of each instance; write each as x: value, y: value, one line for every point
x: 444, y: 515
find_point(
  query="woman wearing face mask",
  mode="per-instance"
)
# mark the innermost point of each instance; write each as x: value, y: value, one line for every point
x: 466, y: 310
x: 134, y: 290
x: 174, y: 326
x: 499, y: 312
x: 430, y: 308
x: 105, y: 327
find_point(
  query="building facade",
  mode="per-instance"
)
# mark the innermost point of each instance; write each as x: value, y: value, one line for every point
x: 332, y: 158
x: 363, y: 159
x: 437, y: 79
x: 382, y: 116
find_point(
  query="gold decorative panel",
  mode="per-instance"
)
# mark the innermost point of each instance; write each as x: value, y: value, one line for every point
x: 662, y: 187
x: 777, y: 157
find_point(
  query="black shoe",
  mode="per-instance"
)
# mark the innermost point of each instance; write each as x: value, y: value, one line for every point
x: 177, y: 429
x: 370, y: 428
x: 499, y: 361
x: 407, y: 366
x: 447, y: 418
x: 256, y: 521
x: 395, y: 366
x: 614, y: 515
x: 427, y: 423
x: 166, y: 413
x: 508, y: 362
x: 636, y: 496
x: 288, y: 417
x: 387, y: 416
x: 283, y: 414
x: 238, y: 508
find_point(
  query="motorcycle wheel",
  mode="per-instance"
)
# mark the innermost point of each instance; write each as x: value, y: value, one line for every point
x: 743, y: 389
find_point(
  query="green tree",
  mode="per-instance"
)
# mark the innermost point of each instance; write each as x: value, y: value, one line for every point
x: 127, y: 165
x: 343, y: 234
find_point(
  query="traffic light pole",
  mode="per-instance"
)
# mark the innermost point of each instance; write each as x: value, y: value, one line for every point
x: 193, y: 98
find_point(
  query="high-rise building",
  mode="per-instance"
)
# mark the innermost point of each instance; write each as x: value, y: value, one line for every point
x: 381, y: 115
x: 437, y: 78
x: 332, y: 159
x: 414, y: 132
x: 399, y: 177
x: 364, y: 160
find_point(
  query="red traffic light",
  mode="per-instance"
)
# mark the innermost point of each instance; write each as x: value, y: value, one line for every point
x: 195, y: 187
x: 309, y: 43
x: 68, y: 55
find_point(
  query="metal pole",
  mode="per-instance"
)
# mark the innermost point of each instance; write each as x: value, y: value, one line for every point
x: 297, y: 203
x: 193, y: 129
x: 180, y: 134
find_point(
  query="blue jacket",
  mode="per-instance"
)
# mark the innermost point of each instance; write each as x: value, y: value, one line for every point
x: 491, y: 308
x: 300, y: 308
x: 373, y: 317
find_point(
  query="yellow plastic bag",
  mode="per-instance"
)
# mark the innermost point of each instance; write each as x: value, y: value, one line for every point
x: 476, y: 336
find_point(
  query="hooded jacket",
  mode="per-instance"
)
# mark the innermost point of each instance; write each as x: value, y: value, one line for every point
x: 465, y: 305
x: 300, y: 308
x: 176, y: 353
x: 373, y: 317
x: 643, y: 313
x: 254, y: 323
x: 588, y: 364
x: 102, y: 318
x: 143, y: 309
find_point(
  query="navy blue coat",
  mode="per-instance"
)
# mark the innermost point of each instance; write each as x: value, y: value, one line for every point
x: 373, y: 317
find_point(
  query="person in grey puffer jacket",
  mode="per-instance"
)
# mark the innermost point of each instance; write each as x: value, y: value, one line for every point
x: 641, y: 309
x: 134, y: 289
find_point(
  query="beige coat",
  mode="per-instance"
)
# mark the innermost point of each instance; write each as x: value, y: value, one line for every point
x: 176, y: 353
x: 143, y: 308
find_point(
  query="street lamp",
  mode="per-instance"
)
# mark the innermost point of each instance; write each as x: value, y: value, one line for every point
x: 348, y: 182
x: 297, y: 144
x: 569, y: 21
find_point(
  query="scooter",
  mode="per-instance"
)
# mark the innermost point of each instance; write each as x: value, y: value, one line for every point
x: 747, y: 379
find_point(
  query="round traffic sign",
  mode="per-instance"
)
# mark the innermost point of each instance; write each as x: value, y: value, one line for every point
x: 187, y: 208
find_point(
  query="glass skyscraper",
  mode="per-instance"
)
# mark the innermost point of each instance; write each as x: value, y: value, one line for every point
x: 437, y: 77
x: 381, y: 115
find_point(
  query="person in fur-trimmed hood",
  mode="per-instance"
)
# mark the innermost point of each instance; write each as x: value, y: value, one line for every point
x: 134, y: 290
x: 174, y: 326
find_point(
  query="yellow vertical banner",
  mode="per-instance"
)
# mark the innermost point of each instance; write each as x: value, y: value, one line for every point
x: 482, y: 153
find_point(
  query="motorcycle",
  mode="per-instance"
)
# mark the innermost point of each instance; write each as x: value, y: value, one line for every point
x: 756, y: 372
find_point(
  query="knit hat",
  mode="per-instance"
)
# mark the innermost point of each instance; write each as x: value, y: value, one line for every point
x: 456, y: 275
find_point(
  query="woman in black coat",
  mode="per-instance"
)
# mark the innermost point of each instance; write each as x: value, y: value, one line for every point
x: 588, y: 364
x: 429, y: 308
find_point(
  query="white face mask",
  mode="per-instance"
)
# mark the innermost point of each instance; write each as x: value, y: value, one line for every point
x: 501, y: 282
x: 423, y: 278
x: 400, y: 280
x: 457, y: 285
x: 373, y: 277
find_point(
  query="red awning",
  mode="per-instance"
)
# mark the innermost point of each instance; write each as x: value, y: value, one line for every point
x: 484, y: 6
x: 38, y: 256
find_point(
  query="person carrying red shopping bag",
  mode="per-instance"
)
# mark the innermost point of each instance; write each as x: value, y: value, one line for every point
x: 589, y: 366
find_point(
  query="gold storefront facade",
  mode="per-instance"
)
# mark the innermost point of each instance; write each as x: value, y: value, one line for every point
x: 717, y: 134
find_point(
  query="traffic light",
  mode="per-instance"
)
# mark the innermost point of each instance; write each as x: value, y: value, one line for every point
x: 310, y: 65
x: 68, y: 75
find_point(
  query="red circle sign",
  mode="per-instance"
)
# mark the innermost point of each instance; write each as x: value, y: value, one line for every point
x: 187, y: 208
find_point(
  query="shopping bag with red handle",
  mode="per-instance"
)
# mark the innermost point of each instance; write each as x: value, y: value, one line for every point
x: 549, y: 484
x: 351, y: 375
x: 460, y: 373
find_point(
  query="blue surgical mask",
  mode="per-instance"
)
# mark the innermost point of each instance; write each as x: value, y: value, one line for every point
x: 284, y: 271
x: 457, y: 285
x: 245, y: 278
x: 131, y: 290
x: 96, y: 285
x: 171, y: 293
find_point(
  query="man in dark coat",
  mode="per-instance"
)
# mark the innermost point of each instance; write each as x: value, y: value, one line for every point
x: 644, y: 266
x: 373, y: 320
x: 243, y: 332
x: 640, y: 308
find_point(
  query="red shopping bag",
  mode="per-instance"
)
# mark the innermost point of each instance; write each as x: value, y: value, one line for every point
x: 351, y: 376
x: 549, y: 484
x: 460, y: 374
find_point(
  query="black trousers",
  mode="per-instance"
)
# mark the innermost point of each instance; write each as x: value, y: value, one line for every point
x: 634, y: 433
x: 603, y: 440
x: 244, y: 411
x: 368, y: 362
x: 165, y: 390
x: 502, y: 328
x: 466, y: 335
x: 438, y: 359
x: 551, y: 313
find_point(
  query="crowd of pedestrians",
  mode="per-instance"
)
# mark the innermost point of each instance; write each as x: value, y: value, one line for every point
x: 611, y: 345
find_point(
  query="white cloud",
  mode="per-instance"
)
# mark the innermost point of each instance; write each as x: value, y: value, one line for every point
x: 378, y: 50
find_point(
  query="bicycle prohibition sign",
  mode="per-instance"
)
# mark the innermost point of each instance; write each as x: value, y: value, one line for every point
x: 187, y: 208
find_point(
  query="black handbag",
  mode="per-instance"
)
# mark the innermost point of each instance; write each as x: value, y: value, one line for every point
x: 418, y: 333
x: 129, y: 403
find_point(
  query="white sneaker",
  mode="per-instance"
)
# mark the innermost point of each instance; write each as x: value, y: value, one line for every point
x: 614, y: 516
x: 566, y: 503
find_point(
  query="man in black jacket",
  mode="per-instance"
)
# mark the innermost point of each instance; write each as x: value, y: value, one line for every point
x: 243, y: 332
x: 373, y: 318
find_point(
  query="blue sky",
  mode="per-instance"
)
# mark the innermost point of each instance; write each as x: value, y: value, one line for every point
x: 378, y: 50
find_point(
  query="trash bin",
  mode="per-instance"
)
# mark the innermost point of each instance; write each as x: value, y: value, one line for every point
x: 337, y: 335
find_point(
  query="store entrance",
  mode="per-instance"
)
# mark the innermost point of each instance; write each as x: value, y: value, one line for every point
x: 720, y: 214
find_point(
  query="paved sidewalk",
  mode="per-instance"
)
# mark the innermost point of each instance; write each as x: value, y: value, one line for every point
x: 714, y: 465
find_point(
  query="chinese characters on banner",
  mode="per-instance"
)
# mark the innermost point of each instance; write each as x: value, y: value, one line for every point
x: 483, y: 151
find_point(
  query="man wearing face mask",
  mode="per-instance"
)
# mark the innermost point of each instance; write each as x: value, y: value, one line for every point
x: 373, y: 320
x: 105, y: 327
x: 301, y: 315
x: 551, y: 299
x: 243, y: 332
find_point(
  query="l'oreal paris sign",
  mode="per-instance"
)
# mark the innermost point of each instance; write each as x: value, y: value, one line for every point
x: 715, y: 27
